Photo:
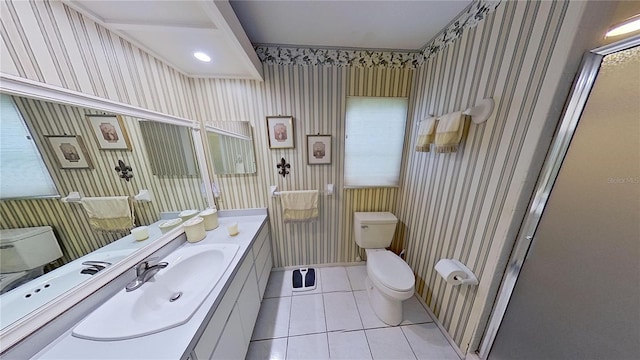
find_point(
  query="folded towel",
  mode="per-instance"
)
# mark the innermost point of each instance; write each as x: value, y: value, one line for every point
x: 299, y: 206
x: 109, y: 213
x: 426, y: 134
x: 449, y: 132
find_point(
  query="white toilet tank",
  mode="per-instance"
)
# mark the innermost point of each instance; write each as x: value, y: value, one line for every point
x: 27, y: 248
x: 374, y: 230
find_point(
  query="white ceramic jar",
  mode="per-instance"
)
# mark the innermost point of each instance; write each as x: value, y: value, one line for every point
x: 194, y: 228
x: 210, y: 217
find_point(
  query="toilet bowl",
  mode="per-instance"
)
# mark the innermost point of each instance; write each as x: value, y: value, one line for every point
x: 390, y: 280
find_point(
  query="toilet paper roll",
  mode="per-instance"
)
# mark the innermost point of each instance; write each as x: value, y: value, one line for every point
x: 452, y: 271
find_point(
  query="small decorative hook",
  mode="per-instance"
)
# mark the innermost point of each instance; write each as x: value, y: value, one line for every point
x: 124, y: 170
x: 283, y: 166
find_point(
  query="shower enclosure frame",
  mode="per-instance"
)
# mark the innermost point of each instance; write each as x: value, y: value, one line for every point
x: 578, y: 97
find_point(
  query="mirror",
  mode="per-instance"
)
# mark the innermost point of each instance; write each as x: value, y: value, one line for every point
x: 231, y: 147
x: 84, y: 161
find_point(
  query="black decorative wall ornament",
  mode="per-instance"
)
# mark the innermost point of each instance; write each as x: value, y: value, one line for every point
x: 124, y: 170
x: 283, y: 166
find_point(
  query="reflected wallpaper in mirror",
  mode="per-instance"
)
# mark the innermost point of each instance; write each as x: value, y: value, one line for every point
x: 231, y: 147
x: 69, y: 221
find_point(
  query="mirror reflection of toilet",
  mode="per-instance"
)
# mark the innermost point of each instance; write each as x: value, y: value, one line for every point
x: 23, y: 254
x: 390, y: 280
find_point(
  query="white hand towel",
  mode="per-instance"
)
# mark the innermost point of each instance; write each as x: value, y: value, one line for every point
x: 426, y: 134
x: 109, y: 213
x: 299, y: 206
x: 449, y: 132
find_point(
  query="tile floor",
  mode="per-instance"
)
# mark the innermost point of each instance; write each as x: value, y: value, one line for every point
x: 335, y: 321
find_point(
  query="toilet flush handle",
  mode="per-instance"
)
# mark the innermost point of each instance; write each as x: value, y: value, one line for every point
x: 364, y: 226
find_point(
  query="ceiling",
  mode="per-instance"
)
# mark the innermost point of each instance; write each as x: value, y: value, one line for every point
x: 172, y: 30
x: 369, y: 24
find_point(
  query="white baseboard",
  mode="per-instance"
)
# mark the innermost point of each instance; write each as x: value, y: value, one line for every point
x: 443, y: 330
x: 285, y: 268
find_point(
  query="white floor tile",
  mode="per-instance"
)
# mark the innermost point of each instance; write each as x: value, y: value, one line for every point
x: 275, y: 349
x: 317, y: 290
x: 427, y: 342
x: 334, y: 279
x: 369, y: 319
x: 357, y: 275
x: 348, y: 345
x: 273, y: 319
x: 308, y: 347
x: 341, y: 311
x: 279, y: 284
x: 414, y: 313
x: 307, y: 315
x: 389, y: 343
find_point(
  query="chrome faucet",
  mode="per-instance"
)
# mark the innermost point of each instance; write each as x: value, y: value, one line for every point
x: 144, y: 272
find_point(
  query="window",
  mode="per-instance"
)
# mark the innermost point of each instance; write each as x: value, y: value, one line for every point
x: 20, y: 157
x: 375, y: 137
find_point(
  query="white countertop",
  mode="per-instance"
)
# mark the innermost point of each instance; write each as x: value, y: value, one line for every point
x: 171, y: 343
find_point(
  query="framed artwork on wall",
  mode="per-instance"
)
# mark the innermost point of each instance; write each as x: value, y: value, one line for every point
x: 280, y: 131
x: 318, y: 149
x: 110, y: 132
x: 69, y: 151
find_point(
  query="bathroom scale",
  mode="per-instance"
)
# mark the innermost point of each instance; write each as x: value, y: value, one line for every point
x: 304, y: 279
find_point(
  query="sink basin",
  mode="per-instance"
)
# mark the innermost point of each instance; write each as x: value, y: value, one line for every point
x: 168, y: 300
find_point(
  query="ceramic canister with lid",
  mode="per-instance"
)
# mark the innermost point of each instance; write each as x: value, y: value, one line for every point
x: 168, y: 225
x: 210, y: 217
x: 187, y: 214
x: 194, y: 228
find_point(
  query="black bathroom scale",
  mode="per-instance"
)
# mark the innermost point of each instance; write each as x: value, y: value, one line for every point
x: 304, y: 279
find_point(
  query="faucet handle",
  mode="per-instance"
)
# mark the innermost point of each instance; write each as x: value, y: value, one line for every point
x: 145, y: 264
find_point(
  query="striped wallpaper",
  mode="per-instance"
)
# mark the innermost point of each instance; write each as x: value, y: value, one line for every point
x: 464, y: 205
x: 49, y: 42
x: 315, y: 96
x: 69, y: 221
x: 467, y: 205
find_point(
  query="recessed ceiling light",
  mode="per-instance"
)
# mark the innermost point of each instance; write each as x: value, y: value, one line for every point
x: 202, y: 56
x: 627, y: 26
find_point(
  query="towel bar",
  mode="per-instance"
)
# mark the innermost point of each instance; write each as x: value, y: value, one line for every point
x: 273, y: 190
x: 75, y: 197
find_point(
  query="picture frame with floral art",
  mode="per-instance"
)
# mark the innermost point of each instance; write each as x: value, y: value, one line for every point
x: 280, y: 132
x: 69, y: 151
x: 318, y: 149
x: 109, y: 132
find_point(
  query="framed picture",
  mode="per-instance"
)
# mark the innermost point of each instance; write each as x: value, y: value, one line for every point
x: 110, y: 132
x: 69, y: 151
x: 280, y: 130
x: 318, y: 149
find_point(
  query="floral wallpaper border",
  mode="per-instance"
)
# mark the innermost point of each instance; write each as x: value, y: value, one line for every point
x: 282, y: 55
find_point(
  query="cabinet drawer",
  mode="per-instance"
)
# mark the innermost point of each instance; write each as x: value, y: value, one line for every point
x: 263, y: 238
x: 264, y: 254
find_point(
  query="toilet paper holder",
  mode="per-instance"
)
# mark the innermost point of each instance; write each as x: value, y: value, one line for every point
x: 455, y: 273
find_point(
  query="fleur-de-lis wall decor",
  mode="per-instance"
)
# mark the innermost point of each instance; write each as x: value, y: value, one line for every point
x: 283, y: 166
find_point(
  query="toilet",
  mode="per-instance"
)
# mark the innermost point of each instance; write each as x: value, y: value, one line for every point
x: 390, y: 280
x: 24, y: 253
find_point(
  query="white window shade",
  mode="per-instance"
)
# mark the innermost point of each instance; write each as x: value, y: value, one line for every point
x: 23, y: 173
x: 375, y: 129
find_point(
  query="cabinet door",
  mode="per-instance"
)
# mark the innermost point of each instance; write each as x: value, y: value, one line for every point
x: 231, y: 344
x: 249, y: 305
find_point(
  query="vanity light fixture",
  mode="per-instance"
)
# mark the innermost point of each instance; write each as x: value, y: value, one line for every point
x: 630, y: 25
x: 202, y: 56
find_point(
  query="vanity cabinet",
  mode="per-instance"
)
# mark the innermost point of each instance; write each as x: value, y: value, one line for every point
x: 229, y: 330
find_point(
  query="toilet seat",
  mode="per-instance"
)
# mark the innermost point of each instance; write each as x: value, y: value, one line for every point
x: 389, y: 270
